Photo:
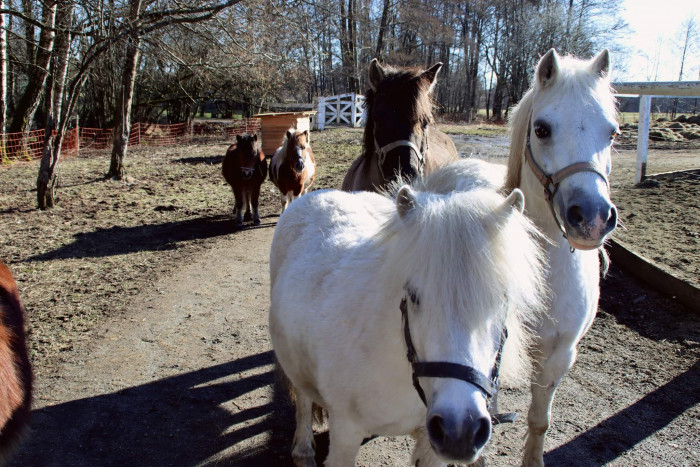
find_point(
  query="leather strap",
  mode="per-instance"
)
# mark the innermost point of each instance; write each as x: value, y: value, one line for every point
x: 384, y: 150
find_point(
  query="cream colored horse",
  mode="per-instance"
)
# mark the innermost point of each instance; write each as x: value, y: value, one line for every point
x: 561, y: 138
x: 357, y: 279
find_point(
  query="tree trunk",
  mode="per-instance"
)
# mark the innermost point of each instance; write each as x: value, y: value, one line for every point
x: 29, y: 102
x: 3, y: 77
x: 122, y: 129
x: 382, y: 27
x: 47, y: 179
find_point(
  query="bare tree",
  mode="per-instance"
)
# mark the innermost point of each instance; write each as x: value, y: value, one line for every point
x: 688, y: 36
x: 3, y: 74
x: 29, y: 102
x: 122, y: 128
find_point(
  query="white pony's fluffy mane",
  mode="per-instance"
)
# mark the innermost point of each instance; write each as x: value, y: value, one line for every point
x: 475, y: 235
x: 576, y: 80
x: 285, y: 140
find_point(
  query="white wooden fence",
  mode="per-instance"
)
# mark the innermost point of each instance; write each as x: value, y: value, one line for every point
x: 342, y: 110
x: 645, y: 91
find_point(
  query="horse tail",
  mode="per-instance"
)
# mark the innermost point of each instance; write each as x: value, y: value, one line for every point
x: 319, y: 413
x: 15, y: 369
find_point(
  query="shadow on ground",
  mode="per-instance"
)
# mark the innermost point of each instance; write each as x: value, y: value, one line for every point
x: 156, y: 237
x: 173, y: 421
x: 621, y: 432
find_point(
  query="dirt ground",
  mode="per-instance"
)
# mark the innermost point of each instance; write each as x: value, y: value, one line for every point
x: 148, y: 322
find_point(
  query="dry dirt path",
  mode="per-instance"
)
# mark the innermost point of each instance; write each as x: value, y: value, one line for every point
x: 188, y: 380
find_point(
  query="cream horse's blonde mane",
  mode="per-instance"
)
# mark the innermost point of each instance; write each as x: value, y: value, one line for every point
x: 482, y: 238
x: 575, y: 80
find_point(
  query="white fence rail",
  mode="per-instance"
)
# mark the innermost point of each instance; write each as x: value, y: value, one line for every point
x: 342, y: 110
x: 645, y: 91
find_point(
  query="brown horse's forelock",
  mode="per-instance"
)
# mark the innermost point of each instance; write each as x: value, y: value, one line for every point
x: 404, y: 86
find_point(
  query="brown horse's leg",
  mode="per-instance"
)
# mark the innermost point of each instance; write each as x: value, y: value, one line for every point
x: 238, y: 210
x: 246, y: 200
x: 255, y: 198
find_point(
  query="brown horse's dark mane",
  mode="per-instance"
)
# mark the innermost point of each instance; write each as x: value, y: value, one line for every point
x: 410, y: 94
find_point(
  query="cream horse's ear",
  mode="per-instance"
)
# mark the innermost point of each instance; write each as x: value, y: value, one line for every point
x: 516, y: 200
x: 405, y: 201
x: 376, y: 74
x: 547, y: 69
x: 600, y: 64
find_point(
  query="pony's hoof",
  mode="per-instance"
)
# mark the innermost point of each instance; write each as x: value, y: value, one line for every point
x: 256, y: 221
x: 238, y: 223
x: 247, y: 217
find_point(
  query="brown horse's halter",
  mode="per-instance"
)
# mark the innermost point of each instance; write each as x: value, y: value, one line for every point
x: 384, y: 150
x: 488, y: 386
x: 551, y: 181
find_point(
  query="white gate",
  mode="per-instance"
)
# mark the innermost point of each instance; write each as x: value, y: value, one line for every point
x: 345, y: 109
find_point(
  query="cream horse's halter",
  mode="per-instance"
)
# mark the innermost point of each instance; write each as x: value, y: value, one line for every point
x: 551, y: 182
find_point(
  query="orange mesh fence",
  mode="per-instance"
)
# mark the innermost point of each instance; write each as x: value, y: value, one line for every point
x: 28, y: 146
x: 226, y: 130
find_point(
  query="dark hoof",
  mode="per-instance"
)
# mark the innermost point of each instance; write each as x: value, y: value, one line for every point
x: 256, y: 222
x: 247, y: 217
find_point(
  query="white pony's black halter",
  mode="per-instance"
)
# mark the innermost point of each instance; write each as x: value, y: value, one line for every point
x: 488, y: 386
x: 384, y: 150
x: 551, y: 182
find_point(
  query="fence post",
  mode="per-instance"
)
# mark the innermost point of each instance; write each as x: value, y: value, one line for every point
x: 352, y: 110
x: 321, y: 117
x: 642, y: 138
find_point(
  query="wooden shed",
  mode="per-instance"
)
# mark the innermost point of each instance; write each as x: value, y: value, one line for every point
x: 274, y: 125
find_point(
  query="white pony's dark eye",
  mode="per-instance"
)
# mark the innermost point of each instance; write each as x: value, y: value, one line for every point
x: 542, y: 130
x: 413, y: 296
x: 615, y: 133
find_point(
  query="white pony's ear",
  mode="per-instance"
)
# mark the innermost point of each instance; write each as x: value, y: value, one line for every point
x: 255, y: 136
x: 376, y: 74
x: 547, y: 68
x: 600, y: 64
x: 430, y: 75
x: 517, y: 200
x: 405, y: 201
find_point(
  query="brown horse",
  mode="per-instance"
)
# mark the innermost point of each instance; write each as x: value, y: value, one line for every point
x: 245, y: 169
x: 293, y: 167
x: 400, y: 139
x: 15, y: 369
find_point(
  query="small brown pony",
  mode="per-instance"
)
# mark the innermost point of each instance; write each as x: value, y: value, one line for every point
x: 15, y: 369
x: 245, y: 169
x: 293, y: 167
x: 400, y: 139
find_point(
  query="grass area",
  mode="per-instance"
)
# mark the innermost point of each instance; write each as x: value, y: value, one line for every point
x: 479, y: 129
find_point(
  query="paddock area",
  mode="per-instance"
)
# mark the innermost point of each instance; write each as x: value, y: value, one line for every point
x: 147, y: 312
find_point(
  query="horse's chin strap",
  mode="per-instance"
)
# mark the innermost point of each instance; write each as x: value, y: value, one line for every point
x: 551, y: 182
x: 384, y: 150
x: 488, y: 386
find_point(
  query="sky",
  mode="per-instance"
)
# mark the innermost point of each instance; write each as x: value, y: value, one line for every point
x: 654, y: 46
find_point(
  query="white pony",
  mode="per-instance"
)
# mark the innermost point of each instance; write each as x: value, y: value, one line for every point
x: 358, y: 280
x: 561, y: 137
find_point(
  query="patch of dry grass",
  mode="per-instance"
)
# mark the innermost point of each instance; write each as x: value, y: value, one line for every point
x: 108, y: 241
